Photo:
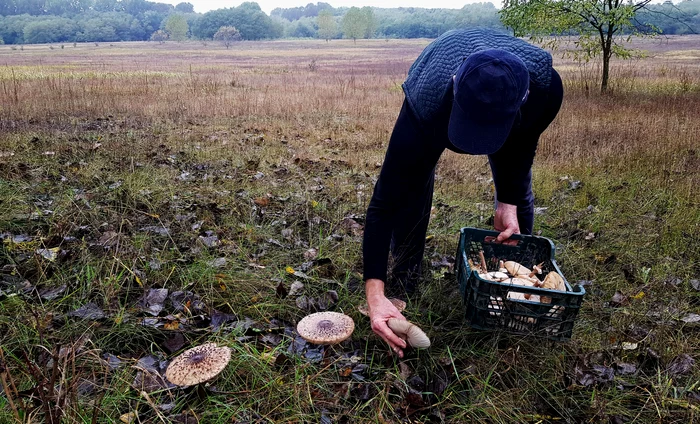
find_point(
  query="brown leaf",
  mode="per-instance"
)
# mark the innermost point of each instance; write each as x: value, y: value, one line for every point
x: 262, y: 201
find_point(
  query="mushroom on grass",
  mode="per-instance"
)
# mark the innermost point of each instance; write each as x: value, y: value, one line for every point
x: 325, y: 328
x: 198, y: 365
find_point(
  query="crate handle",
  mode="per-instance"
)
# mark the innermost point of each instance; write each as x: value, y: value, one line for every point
x: 510, y: 242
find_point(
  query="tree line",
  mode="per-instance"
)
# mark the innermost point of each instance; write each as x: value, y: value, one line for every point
x: 61, y: 21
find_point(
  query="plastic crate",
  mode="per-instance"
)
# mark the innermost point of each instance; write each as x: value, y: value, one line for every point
x: 488, y: 305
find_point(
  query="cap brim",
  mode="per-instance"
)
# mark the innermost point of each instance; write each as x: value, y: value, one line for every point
x: 475, y: 136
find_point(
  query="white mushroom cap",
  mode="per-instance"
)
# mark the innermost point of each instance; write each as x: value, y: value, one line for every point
x: 197, y: 365
x: 325, y: 327
x: 398, y: 304
x: 407, y: 330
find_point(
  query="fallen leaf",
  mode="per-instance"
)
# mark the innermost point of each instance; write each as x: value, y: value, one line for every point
x: 52, y: 293
x: 129, y: 418
x: 152, y: 302
x: 49, y: 254
x: 218, y: 263
x: 311, y: 254
x: 174, y: 342
x: 262, y: 201
x: 88, y: 311
x: 691, y: 318
x: 156, y: 229
x: 618, y: 299
x: 622, y: 368
x: 296, y: 288
x: 695, y: 284
x: 681, y: 364
x: 171, y: 325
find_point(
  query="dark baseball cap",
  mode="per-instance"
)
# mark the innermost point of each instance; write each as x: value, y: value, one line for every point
x: 489, y: 88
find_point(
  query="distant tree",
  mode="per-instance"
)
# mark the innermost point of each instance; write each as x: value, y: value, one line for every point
x: 159, y: 36
x: 601, y: 26
x: 248, y: 18
x: 184, y: 7
x: 354, y: 24
x: 370, y: 21
x: 327, y: 27
x: 227, y: 35
x: 176, y: 27
x: 51, y: 29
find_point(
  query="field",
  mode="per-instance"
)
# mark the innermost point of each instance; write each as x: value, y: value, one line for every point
x: 154, y: 197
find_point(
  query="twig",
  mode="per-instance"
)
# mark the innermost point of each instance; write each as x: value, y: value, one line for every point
x: 8, y: 394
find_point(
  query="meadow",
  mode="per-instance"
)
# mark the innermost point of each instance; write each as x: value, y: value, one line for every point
x: 154, y: 197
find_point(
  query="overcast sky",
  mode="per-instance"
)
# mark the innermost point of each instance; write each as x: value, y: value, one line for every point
x: 201, y: 6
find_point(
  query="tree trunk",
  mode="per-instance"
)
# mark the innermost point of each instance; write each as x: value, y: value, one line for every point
x: 606, y: 71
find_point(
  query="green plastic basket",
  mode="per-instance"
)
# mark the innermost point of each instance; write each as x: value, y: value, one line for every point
x: 494, y: 306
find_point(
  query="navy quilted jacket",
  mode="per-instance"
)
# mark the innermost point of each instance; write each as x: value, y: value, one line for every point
x: 432, y: 72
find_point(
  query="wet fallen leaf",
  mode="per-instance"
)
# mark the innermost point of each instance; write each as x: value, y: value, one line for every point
x: 296, y: 288
x: 49, y: 254
x: 218, y: 263
x: 681, y: 364
x: 88, y: 311
x: 691, y: 318
x: 310, y: 254
x: 695, y: 284
x: 262, y: 201
x: 210, y: 240
x: 622, y: 368
x: 345, y: 372
x: 174, y: 342
x: 52, y: 293
x: 597, y: 374
x: 618, y: 299
x: 218, y: 319
x: 156, y: 229
x: 152, y: 302
x: 171, y: 325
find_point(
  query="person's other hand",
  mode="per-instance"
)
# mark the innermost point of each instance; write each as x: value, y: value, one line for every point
x: 380, y: 310
x: 506, y: 221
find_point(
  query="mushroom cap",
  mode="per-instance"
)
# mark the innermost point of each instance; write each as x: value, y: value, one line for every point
x: 197, y: 365
x: 325, y: 328
x: 398, y: 304
x: 554, y: 281
x: 515, y: 269
x: 410, y: 332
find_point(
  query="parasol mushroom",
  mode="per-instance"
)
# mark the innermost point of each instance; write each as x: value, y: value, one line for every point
x: 198, y: 365
x: 398, y: 304
x: 325, y: 328
x: 515, y: 269
x: 410, y: 332
x: 552, y: 281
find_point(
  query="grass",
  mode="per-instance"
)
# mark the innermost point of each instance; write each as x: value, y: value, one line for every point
x: 269, y: 154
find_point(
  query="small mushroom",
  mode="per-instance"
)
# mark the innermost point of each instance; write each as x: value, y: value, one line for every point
x: 515, y: 269
x: 410, y: 332
x: 483, y: 261
x: 325, y: 328
x: 398, y: 304
x: 198, y: 365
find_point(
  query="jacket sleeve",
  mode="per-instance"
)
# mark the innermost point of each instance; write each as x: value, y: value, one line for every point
x: 511, y: 165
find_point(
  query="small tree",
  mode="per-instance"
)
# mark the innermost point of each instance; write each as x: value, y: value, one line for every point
x: 176, y: 26
x: 354, y: 25
x: 227, y: 35
x: 602, y: 26
x: 159, y: 36
x: 327, y: 27
x: 370, y: 21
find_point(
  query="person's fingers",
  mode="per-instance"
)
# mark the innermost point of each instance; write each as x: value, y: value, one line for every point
x: 505, y: 234
x: 385, y: 333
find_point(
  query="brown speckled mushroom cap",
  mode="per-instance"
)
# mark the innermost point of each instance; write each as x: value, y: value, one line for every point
x: 197, y: 365
x: 398, y: 304
x: 325, y: 328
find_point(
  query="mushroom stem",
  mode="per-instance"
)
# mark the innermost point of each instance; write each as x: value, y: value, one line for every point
x: 483, y: 260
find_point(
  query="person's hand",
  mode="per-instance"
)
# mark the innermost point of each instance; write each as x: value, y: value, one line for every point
x: 380, y: 310
x: 506, y: 221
